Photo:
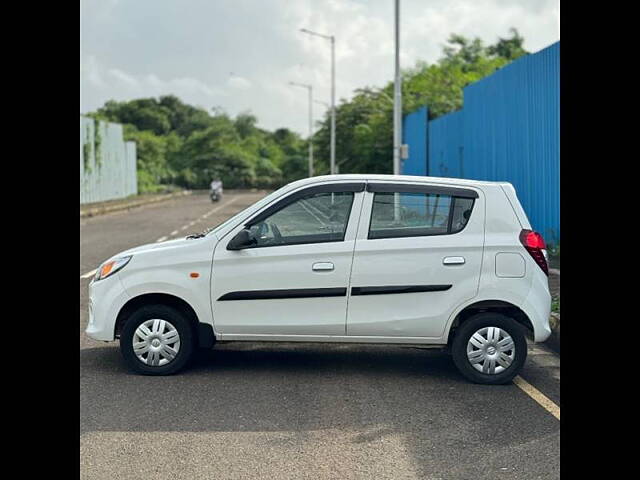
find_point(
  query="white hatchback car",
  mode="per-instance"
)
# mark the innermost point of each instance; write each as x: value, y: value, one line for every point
x: 376, y: 259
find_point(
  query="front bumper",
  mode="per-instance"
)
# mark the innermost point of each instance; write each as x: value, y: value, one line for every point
x: 106, y: 299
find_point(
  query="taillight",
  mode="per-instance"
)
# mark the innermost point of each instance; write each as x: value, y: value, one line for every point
x: 534, y: 243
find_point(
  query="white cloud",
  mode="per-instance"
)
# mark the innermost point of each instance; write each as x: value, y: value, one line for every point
x: 124, y: 78
x: 188, y: 48
x: 89, y: 70
x: 99, y: 78
x: 239, y: 83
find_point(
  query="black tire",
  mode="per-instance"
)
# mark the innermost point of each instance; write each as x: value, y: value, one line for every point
x: 162, y: 312
x: 471, y: 326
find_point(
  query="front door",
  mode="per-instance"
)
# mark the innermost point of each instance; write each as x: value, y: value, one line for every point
x: 294, y: 279
x: 418, y: 256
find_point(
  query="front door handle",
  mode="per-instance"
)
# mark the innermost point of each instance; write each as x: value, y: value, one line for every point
x: 322, y: 267
x: 453, y: 261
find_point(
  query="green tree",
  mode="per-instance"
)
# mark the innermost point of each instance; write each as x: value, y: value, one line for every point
x: 144, y: 114
x: 245, y: 124
x: 509, y: 48
x: 151, y: 151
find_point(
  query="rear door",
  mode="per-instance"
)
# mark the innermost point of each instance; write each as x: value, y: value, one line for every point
x: 294, y: 280
x: 417, y: 257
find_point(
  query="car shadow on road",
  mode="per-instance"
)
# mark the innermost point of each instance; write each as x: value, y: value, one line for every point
x: 309, y: 360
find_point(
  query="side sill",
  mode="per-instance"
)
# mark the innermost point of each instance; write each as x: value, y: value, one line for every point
x: 439, y: 341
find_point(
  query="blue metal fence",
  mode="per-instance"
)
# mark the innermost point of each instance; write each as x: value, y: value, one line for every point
x: 508, y: 130
x: 446, y: 149
x: 415, y: 133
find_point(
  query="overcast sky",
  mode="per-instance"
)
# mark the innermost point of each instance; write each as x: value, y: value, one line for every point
x: 241, y: 54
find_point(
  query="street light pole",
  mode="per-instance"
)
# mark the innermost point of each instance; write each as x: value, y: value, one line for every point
x: 333, y: 105
x: 397, y: 104
x: 333, y: 94
x: 310, y: 131
x: 310, y: 89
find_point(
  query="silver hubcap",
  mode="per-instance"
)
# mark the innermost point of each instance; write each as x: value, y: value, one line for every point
x: 156, y: 342
x: 491, y: 350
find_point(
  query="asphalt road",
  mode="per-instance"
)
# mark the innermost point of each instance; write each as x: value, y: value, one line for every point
x: 288, y: 411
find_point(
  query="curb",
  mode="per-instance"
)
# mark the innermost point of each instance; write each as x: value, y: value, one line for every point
x: 92, y: 212
x: 554, y: 340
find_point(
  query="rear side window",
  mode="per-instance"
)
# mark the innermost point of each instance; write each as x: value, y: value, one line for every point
x: 417, y: 214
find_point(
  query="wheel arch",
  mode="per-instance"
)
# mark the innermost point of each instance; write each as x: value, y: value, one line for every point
x: 203, y: 331
x: 498, y: 306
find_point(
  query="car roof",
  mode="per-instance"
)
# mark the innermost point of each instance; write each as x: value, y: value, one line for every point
x: 396, y: 178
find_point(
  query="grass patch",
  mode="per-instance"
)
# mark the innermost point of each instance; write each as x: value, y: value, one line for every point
x: 555, y: 305
x: 554, y: 256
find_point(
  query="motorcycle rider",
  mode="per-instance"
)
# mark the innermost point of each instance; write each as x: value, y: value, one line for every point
x: 216, y: 189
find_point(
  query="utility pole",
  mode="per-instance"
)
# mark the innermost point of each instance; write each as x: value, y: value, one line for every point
x: 397, y: 103
x: 333, y: 105
x: 310, y: 131
x: 332, y: 39
x: 310, y: 89
x: 397, y: 112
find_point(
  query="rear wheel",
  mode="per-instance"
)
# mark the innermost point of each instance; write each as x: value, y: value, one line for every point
x: 157, y: 340
x: 489, y: 348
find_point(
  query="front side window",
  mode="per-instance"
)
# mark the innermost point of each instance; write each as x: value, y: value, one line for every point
x: 417, y: 214
x: 317, y: 218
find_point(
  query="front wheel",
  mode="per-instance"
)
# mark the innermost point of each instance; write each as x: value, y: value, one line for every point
x: 157, y: 340
x: 489, y: 348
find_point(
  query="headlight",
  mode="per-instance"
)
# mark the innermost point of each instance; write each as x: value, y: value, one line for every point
x: 111, y: 267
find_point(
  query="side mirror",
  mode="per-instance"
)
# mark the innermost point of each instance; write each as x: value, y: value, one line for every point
x: 243, y: 239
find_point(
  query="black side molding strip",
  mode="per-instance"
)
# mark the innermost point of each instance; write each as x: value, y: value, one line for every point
x: 417, y: 188
x: 398, y: 289
x: 289, y: 293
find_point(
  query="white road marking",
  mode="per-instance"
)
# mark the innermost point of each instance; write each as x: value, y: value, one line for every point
x: 219, y: 207
x: 538, y: 396
x: 175, y: 232
x: 89, y: 274
x: 555, y: 271
x: 161, y: 239
x: 202, y: 217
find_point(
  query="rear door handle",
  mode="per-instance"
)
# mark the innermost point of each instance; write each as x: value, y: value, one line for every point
x: 322, y: 267
x: 453, y: 261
